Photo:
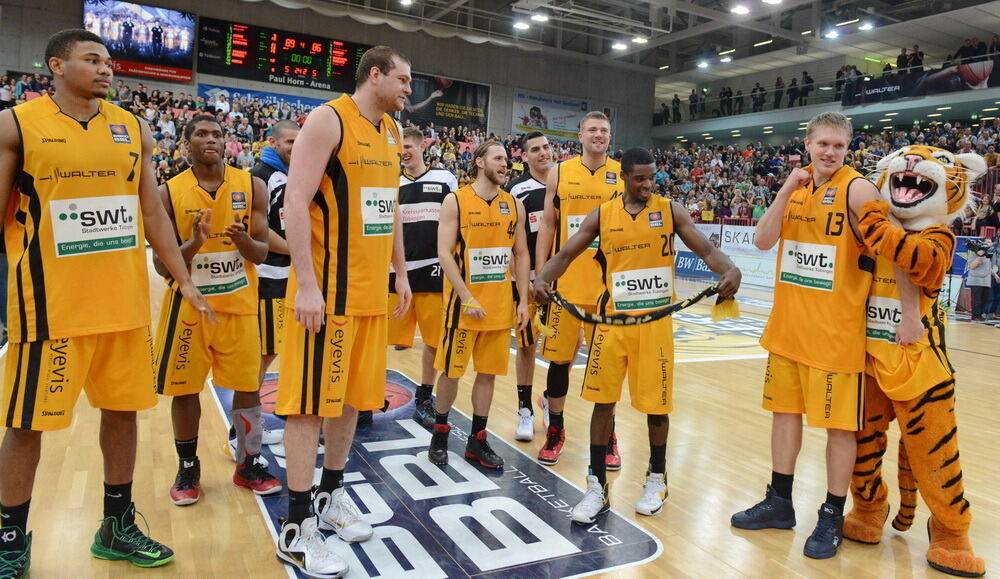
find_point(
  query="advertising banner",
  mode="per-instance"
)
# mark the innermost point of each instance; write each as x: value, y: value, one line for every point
x: 298, y: 104
x: 888, y: 87
x: 447, y: 102
x: 557, y: 117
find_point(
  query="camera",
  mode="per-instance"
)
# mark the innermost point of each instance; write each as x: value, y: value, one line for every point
x: 977, y: 245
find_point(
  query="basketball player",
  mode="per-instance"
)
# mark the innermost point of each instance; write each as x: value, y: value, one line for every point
x: 636, y: 254
x: 421, y: 191
x: 272, y: 169
x: 816, y: 331
x: 576, y: 187
x: 220, y: 216
x: 79, y: 297
x: 482, y: 227
x: 529, y: 189
x: 342, y: 230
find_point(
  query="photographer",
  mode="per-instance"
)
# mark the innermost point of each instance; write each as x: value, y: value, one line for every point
x: 980, y: 271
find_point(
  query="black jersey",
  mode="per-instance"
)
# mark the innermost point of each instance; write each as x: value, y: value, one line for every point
x: 273, y: 273
x: 419, y: 208
x: 531, y: 192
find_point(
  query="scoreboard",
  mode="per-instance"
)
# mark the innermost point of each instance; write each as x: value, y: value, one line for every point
x: 278, y: 56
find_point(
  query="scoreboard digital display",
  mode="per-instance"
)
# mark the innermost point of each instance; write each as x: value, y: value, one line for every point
x: 278, y: 56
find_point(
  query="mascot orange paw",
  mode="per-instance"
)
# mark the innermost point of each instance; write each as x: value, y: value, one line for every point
x: 951, y: 552
x: 865, y: 525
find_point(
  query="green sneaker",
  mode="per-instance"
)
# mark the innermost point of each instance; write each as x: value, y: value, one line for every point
x: 15, y: 563
x: 120, y: 539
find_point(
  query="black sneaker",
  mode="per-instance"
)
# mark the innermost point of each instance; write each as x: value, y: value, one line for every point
x: 828, y: 534
x: 120, y: 539
x: 478, y: 449
x: 438, y: 452
x: 187, y: 487
x: 773, y: 512
x: 424, y: 413
x: 15, y: 553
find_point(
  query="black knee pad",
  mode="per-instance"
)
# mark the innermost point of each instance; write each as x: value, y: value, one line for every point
x: 557, y: 381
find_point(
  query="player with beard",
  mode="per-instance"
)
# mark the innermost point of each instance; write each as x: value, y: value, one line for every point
x: 529, y: 189
x: 80, y: 292
x: 421, y: 191
x: 481, y: 228
x: 576, y: 187
x: 343, y: 231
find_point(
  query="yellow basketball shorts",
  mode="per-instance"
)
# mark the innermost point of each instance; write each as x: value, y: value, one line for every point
x: 42, y: 380
x: 187, y: 347
x: 906, y: 372
x: 488, y: 349
x: 425, y: 312
x: 828, y: 399
x: 563, y: 345
x: 343, y: 363
x: 645, y: 353
x: 271, y: 315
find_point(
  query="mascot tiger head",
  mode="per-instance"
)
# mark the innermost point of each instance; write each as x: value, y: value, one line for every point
x: 926, y: 185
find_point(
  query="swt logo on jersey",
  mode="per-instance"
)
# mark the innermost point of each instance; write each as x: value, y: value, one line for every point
x: 489, y: 264
x: 94, y: 224
x: 808, y: 265
x: 378, y: 209
x: 640, y: 289
x: 218, y: 273
x: 884, y: 314
x: 119, y: 134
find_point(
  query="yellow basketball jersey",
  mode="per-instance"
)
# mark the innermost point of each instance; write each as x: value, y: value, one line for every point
x: 579, y: 192
x: 73, y: 228
x: 822, y: 281
x: 486, y: 232
x: 352, y: 215
x: 227, y: 280
x: 636, y: 257
x: 889, y: 361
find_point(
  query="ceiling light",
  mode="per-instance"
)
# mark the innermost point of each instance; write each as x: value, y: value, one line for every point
x: 891, y: 114
x: 987, y: 118
x: 832, y: 34
x: 991, y: 109
x: 739, y: 9
x: 726, y: 59
x: 709, y: 138
x: 540, y: 17
x: 406, y: 2
x: 932, y: 115
x: 665, y: 67
x: 619, y: 46
x: 885, y: 120
x: 640, y: 40
x: 763, y: 42
x: 826, y: 88
x: 703, y: 64
x: 725, y: 52
x: 772, y: 1
x: 804, y: 32
x: 768, y: 132
x: 943, y: 109
x: 680, y: 137
x: 521, y: 25
x: 866, y: 26
x: 867, y: 78
x: 768, y: 127
x: 846, y: 22
x: 705, y: 134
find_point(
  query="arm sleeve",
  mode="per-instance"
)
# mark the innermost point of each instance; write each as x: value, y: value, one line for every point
x: 924, y: 255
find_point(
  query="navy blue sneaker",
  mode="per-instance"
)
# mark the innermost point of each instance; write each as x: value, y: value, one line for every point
x: 773, y: 512
x: 15, y: 553
x: 828, y: 534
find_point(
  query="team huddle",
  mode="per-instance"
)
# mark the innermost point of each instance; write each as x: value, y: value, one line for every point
x: 325, y: 254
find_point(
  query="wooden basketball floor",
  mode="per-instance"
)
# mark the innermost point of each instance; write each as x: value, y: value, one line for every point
x: 718, y: 462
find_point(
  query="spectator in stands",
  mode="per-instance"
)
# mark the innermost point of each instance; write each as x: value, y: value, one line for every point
x: 807, y: 86
x: 675, y: 106
x: 757, y: 97
x: 739, y: 102
x: 693, y: 104
x: 664, y: 113
x: 6, y: 93
x: 903, y: 61
x: 916, y: 61
x: 793, y: 93
x: 980, y: 275
x: 839, y: 83
x: 779, y: 92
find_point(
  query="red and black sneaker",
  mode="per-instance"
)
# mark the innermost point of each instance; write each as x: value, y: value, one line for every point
x: 438, y: 452
x: 554, y: 440
x: 187, y: 485
x: 252, y: 475
x: 612, y: 458
x: 479, y: 450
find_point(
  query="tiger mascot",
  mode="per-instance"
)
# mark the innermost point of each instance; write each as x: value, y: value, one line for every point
x: 924, y: 188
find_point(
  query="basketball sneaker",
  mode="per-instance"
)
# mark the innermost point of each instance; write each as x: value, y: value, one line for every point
x: 654, y: 494
x: 593, y: 504
x: 187, y: 485
x: 554, y: 440
x: 268, y: 436
x: 14, y: 561
x: 773, y: 512
x: 119, y: 539
x: 305, y: 548
x: 424, y: 412
x: 612, y: 458
x: 478, y: 449
x: 828, y: 534
x: 438, y: 451
x: 525, y: 425
x: 262, y: 459
x: 252, y: 475
x: 337, y: 512
x: 543, y: 404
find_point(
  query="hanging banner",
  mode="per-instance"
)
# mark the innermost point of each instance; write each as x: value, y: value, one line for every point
x: 557, y: 117
x: 888, y: 87
x: 447, y: 102
x: 298, y: 104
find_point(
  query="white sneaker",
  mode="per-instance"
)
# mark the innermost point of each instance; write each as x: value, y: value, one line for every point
x: 525, y: 425
x: 593, y: 503
x: 268, y: 436
x: 305, y: 549
x: 336, y: 512
x: 543, y: 404
x: 654, y: 494
x: 231, y: 445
